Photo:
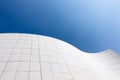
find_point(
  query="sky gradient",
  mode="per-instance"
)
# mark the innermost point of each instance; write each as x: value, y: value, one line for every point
x: 90, y: 25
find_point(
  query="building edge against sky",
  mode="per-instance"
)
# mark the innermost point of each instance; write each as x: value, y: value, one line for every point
x: 36, y: 57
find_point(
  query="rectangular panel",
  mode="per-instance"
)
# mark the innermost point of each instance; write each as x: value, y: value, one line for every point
x: 21, y: 76
x: 2, y: 66
x: 14, y: 58
x: 25, y: 58
x: 35, y: 76
x: 4, y: 57
x: 44, y: 59
x: 55, y: 68
x: 47, y: 76
x: 45, y: 67
x: 11, y: 66
x: 23, y: 66
x: 34, y: 66
x: 8, y: 76
x: 58, y: 76
x: 34, y: 57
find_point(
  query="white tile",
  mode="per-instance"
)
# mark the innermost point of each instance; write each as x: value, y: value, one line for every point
x: 60, y: 60
x: 17, y: 51
x: 6, y: 51
x: 55, y: 68
x: 52, y: 59
x: 63, y: 68
x: 4, y: 57
x: 45, y: 67
x: 35, y: 76
x: 21, y: 76
x: 2, y: 66
x: 47, y: 76
x: 8, y: 76
x: 11, y: 66
x: 44, y: 59
x: 34, y: 46
x: 14, y: 58
x: 25, y: 58
x: 34, y: 52
x: 23, y: 66
x: 27, y: 46
x: 34, y: 57
x: 43, y: 52
x: 26, y: 51
x: 67, y: 76
x: 34, y: 66
x: 58, y: 76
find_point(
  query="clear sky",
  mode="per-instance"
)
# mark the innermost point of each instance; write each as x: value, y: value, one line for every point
x: 90, y: 25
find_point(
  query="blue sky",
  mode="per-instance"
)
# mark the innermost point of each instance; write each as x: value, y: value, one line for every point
x: 90, y: 25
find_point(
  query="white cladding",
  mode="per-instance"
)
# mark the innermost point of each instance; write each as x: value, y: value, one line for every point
x: 35, y: 57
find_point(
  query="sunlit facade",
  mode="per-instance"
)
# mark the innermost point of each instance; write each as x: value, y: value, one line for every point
x: 36, y: 57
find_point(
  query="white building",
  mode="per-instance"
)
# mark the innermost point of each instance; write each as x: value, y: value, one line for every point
x: 35, y: 57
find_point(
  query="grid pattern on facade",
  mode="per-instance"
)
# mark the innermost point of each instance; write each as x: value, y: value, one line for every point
x: 35, y: 57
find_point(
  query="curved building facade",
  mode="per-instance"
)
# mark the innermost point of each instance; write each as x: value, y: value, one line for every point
x: 36, y: 57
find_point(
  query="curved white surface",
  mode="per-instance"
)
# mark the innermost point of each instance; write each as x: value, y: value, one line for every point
x: 36, y: 57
